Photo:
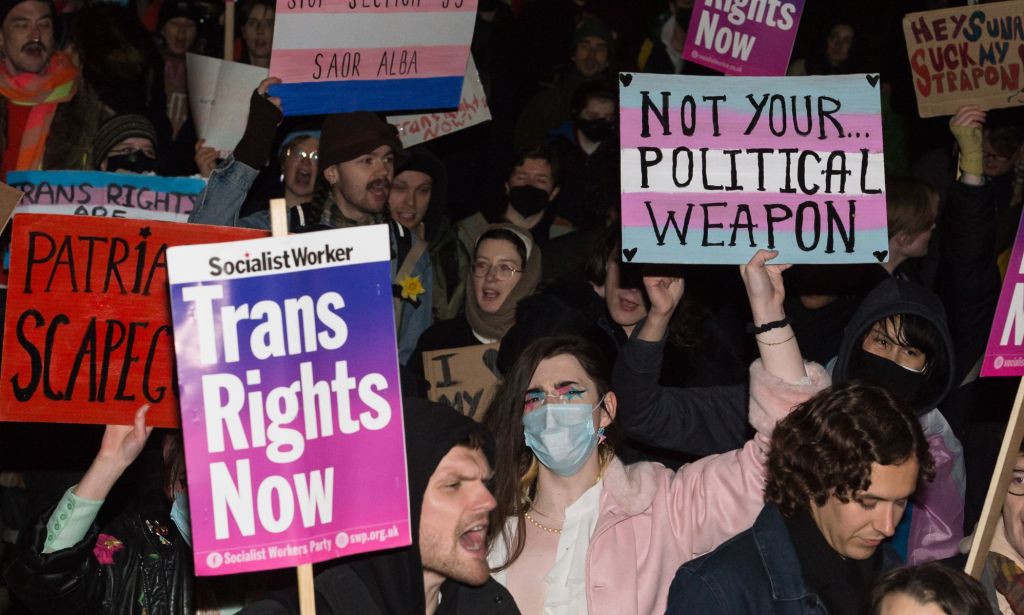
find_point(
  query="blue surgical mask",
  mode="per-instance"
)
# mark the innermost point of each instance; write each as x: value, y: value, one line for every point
x: 562, y: 436
x: 180, y: 516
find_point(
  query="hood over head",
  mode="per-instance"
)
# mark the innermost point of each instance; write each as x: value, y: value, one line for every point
x: 895, y: 296
x: 395, y: 578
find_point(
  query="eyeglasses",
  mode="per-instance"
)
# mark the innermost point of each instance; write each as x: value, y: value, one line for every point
x: 502, y: 271
x: 1016, y: 483
x: 537, y: 398
x: 303, y: 155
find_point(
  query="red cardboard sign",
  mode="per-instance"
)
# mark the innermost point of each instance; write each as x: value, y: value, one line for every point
x: 87, y: 334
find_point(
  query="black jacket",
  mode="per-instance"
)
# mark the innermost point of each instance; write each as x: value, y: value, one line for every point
x: 152, y: 573
x: 391, y: 582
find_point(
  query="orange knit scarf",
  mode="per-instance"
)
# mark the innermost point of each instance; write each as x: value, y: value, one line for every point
x: 43, y: 92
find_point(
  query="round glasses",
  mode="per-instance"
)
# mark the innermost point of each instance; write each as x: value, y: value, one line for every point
x: 303, y: 155
x: 502, y: 271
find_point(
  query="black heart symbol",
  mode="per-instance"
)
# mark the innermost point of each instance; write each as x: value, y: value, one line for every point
x: 873, y: 79
x: 629, y: 253
x: 625, y: 79
x: 881, y: 254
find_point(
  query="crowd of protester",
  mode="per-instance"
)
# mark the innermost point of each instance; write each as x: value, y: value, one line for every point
x: 699, y: 439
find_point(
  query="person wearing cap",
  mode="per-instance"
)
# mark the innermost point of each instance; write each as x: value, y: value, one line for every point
x: 48, y: 116
x: 593, y: 43
x: 125, y: 143
x: 178, y: 28
x: 449, y: 459
x: 356, y: 156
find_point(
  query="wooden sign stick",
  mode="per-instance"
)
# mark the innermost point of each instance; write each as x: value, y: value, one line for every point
x: 993, y: 508
x: 304, y: 572
x: 229, y: 31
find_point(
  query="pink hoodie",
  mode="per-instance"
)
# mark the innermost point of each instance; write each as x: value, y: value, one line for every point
x: 652, y: 519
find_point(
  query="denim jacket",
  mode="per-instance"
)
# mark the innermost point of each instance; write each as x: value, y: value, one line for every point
x: 757, y: 571
x: 223, y: 197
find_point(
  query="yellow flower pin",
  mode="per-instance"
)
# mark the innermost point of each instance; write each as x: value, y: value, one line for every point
x: 412, y: 287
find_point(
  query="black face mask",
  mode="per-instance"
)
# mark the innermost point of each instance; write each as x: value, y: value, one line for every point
x: 133, y: 162
x: 902, y: 383
x: 683, y: 17
x: 596, y: 130
x: 527, y: 200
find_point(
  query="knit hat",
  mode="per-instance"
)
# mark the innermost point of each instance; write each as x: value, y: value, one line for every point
x: 346, y: 136
x: 117, y: 129
x: 592, y: 26
x: 177, y: 8
x: 7, y: 5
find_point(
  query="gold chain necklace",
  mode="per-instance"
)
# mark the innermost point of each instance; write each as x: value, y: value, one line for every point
x: 543, y: 527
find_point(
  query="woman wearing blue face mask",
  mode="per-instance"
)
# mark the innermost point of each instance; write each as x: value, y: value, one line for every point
x: 576, y: 531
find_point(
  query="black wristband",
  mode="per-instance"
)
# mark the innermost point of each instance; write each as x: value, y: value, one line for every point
x: 768, y: 326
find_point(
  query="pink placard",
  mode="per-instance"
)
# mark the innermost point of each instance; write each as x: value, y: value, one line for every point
x: 291, y: 404
x: 1004, y: 355
x: 743, y: 38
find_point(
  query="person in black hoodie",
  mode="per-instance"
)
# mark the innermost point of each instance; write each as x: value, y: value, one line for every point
x: 898, y: 339
x: 449, y: 457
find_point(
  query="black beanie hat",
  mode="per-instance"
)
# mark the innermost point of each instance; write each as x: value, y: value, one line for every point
x: 7, y: 5
x: 117, y: 129
x: 177, y: 8
x: 346, y: 136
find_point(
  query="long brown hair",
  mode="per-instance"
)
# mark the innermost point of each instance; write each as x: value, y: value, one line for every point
x: 516, y: 468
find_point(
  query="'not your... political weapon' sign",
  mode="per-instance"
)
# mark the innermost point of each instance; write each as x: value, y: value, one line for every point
x: 715, y: 168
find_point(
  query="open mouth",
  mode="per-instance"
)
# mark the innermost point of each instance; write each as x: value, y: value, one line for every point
x: 474, y: 539
x: 406, y: 217
x: 303, y: 176
x: 490, y: 294
x: 628, y: 306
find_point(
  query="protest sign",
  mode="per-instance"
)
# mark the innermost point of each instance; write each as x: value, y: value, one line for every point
x: 110, y: 195
x: 741, y: 38
x: 463, y: 378
x: 87, y: 334
x: 9, y: 198
x: 347, y: 55
x: 967, y: 55
x: 219, y: 94
x: 715, y: 168
x: 291, y: 406
x: 1004, y: 355
x: 421, y: 127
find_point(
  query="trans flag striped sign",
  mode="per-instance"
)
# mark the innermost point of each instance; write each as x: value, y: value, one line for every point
x: 335, y: 56
x: 715, y: 168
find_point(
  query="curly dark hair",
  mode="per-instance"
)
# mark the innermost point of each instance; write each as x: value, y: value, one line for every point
x: 826, y: 446
x: 951, y: 590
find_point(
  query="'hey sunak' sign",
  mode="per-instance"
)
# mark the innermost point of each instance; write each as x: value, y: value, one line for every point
x: 715, y: 168
x: 291, y: 406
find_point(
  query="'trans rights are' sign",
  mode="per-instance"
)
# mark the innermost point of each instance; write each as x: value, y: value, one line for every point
x: 291, y: 406
x: 715, y: 168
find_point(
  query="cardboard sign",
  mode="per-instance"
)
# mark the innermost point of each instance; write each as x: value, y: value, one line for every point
x: 219, y: 94
x: 347, y: 55
x: 109, y: 195
x: 421, y: 127
x: 1004, y: 355
x: 967, y: 55
x: 290, y: 397
x: 87, y: 335
x: 743, y: 38
x: 463, y: 378
x: 9, y: 199
x: 715, y: 168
